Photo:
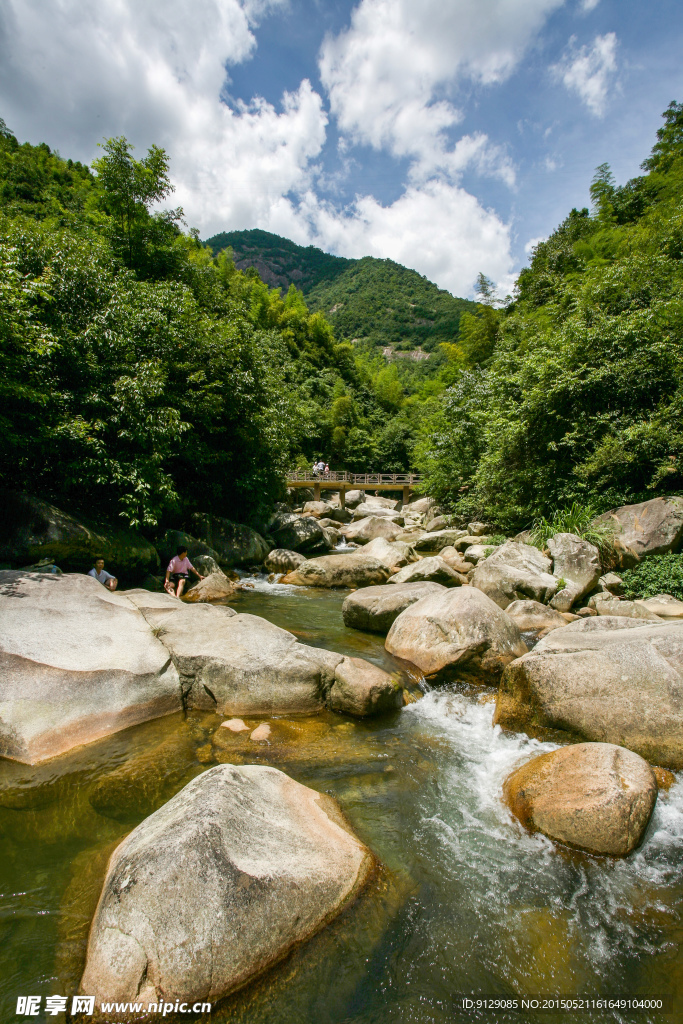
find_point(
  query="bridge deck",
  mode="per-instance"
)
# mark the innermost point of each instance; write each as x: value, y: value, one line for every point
x: 344, y: 482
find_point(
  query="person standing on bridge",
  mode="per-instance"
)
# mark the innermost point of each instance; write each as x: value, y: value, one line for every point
x: 326, y: 470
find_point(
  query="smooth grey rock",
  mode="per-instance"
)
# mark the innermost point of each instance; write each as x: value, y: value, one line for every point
x: 435, y: 541
x: 77, y: 663
x: 611, y: 583
x: 534, y: 617
x: 663, y: 605
x: 428, y: 570
x: 374, y: 526
x: 606, y: 604
x: 365, y: 510
x: 375, y: 608
x: 354, y: 570
x: 218, y: 885
x: 299, y: 533
x: 214, y: 587
x: 478, y: 529
x: 341, y: 515
x: 578, y: 563
x: 282, y: 560
x: 650, y: 528
x: 456, y: 560
x: 394, y: 555
x: 420, y: 506
x: 594, y: 796
x: 513, y: 572
x: 469, y: 541
x: 460, y: 631
x: 242, y: 664
x: 606, y: 679
x: 378, y: 501
x: 353, y: 498
x: 317, y: 509
x: 361, y: 689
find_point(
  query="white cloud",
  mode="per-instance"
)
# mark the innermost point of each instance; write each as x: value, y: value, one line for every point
x: 437, y: 228
x: 387, y: 73
x: 589, y: 5
x: 72, y: 72
x: 588, y: 70
x: 532, y: 243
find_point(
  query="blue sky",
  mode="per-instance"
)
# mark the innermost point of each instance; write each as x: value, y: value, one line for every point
x: 445, y: 134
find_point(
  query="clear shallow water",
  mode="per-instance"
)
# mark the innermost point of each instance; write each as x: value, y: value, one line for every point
x: 465, y: 901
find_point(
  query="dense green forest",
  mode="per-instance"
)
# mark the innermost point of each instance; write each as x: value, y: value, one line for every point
x: 573, y: 392
x: 370, y: 302
x: 147, y: 377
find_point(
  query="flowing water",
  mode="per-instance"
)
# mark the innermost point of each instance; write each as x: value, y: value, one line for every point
x: 464, y: 902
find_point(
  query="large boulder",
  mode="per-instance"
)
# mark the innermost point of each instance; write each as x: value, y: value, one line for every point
x: 77, y: 662
x: 608, y: 679
x: 534, y: 617
x: 355, y: 570
x: 365, y: 530
x: 341, y: 515
x: 235, y: 543
x: 664, y: 606
x: 196, y: 549
x: 353, y: 498
x: 429, y: 570
x: 595, y: 796
x: 282, y: 560
x: 318, y: 509
x: 214, y: 587
x: 459, y: 632
x: 375, y: 608
x: 513, y: 572
x: 607, y: 604
x: 650, y: 528
x: 438, y: 539
x: 378, y: 501
x: 364, y: 510
x: 456, y: 560
x: 219, y: 884
x: 394, y: 555
x: 420, y: 506
x: 576, y: 562
x: 34, y: 531
x: 298, y: 533
x: 240, y: 664
x: 361, y: 689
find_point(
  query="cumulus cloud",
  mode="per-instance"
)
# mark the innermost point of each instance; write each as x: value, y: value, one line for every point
x: 588, y: 70
x: 589, y: 5
x: 386, y: 73
x: 72, y: 72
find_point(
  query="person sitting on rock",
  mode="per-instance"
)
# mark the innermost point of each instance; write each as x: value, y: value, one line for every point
x: 178, y: 572
x: 102, y: 576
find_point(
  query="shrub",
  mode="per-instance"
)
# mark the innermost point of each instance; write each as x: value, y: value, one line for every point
x: 658, y: 574
x: 579, y: 520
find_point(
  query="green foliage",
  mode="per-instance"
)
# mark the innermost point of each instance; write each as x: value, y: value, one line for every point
x: 658, y: 574
x: 578, y: 397
x: 577, y: 519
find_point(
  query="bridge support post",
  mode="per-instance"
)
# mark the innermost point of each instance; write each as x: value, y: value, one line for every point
x: 406, y: 495
x: 316, y: 492
x: 342, y: 496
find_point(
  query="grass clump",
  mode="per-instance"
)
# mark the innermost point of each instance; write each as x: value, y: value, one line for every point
x: 658, y: 574
x: 579, y: 520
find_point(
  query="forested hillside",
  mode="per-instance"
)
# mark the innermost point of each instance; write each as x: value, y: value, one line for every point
x: 370, y: 302
x: 573, y: 392
x: 146, y: 379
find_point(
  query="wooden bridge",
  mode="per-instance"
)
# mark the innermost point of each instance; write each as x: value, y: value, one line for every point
x: 344, y: 482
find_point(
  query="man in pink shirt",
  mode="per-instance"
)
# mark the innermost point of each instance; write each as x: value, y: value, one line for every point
x: 178, y: 572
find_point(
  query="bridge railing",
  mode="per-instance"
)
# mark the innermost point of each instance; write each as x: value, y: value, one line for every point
x: 357, y: 479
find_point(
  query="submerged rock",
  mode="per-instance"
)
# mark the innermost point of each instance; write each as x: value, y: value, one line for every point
x: 355, y: 570
x: 598, y: 797
x: 607, y: 679
x: 456, y: 632
x: 375, y: 608
x: 218, y: 885
x: 77, y: 662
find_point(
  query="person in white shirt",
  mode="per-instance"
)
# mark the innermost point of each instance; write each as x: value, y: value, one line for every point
x: 102, y: 576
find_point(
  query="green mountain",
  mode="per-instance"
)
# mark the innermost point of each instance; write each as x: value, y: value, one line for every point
x: 378, y: 302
